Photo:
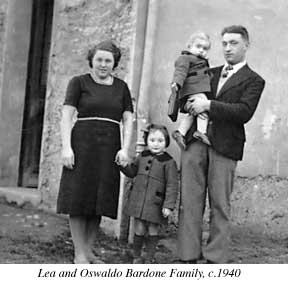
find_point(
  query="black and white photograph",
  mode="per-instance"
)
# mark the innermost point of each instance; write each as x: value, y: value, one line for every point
x: 143, y: 132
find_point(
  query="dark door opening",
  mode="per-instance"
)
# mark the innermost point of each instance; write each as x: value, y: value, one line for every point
x: 41, y: 28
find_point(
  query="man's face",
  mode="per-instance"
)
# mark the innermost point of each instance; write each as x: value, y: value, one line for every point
x: 234, y: 47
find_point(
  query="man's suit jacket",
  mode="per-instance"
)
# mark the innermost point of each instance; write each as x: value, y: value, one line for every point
x: 234, y: 106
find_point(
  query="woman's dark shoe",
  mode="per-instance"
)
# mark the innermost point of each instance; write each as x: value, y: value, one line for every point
x: 80, y: 260
x: 95, y: 259
x: 180, y: 139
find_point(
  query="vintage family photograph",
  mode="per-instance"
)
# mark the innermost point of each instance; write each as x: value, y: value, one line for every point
x: 143, y: 132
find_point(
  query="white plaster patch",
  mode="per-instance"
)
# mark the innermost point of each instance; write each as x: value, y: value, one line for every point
x: 259, y: 18
x: 267, y: 124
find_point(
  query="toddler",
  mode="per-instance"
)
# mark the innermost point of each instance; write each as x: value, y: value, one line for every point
x: 191, y: 79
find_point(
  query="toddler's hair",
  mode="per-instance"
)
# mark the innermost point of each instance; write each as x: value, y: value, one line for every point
x: 198, y: 35
x: 154, y: 127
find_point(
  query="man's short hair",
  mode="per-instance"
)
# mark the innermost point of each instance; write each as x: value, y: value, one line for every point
x: 236, y: 29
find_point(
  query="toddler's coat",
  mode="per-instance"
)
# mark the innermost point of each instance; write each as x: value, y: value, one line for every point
x: 155, y: 186
x: 191, y: 74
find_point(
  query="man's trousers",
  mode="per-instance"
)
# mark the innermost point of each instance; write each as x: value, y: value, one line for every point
x: 203, y: 171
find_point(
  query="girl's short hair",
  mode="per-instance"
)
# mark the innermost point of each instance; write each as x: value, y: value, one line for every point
x: 198, y: 35
x: 154, y: 127
x: 106, y: 45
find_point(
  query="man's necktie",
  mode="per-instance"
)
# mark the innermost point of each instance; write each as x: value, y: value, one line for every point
x: 224, y: 77
x: 226, y: 70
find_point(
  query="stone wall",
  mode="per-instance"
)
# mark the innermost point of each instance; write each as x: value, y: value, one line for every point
x: 260, y: 203
x: 77, y: 25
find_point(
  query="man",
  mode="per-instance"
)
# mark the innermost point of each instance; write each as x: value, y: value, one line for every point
x: 236, y: 91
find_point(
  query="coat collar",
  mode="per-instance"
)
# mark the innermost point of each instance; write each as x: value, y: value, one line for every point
x: 161, y: 158
x: 242, y: 75
x: 186, y: 52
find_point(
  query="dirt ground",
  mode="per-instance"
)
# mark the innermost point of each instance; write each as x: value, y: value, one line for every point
x: 28, y: 235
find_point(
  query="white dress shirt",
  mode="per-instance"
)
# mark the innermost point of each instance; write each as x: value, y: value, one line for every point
x: 235, y: 69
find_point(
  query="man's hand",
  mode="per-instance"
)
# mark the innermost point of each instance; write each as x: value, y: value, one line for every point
x: 197, y: 106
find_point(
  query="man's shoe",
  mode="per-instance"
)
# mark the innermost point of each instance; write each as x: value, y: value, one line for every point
x: 191, y: 261
x: 179, y: 138
x: 201, y: 137
x: 210, y: 262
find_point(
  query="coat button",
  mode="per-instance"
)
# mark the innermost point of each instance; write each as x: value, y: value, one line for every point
x: 147, y: 168
x: 210, y: 122
x: 149, y: 162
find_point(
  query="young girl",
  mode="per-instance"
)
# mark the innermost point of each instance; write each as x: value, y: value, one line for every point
x: 154, y: 192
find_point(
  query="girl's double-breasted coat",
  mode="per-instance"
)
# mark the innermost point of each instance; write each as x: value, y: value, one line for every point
x: 155, y: 186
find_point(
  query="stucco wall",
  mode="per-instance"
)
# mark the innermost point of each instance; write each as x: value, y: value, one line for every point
x: 77, y: 25
x: 12, y: 96
x: 3, y: 18
x: 266, y: 151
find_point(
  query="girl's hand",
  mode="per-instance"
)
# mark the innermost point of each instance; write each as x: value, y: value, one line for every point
x: 166, y: 212
x: 122, y: 158
x: 174, y: 85
x: 68, y: 159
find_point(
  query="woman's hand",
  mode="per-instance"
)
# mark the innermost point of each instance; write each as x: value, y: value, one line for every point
x: 68, y: 159
x: 166, y: 212
x: 122, y: 158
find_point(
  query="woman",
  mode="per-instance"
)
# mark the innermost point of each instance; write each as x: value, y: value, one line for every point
x: 89, y: 186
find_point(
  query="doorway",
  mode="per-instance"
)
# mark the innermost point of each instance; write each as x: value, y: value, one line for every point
x: 40, y: 42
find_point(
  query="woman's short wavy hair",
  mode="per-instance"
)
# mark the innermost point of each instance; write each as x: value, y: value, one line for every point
x: 154, y: 127
x: 106, y: 45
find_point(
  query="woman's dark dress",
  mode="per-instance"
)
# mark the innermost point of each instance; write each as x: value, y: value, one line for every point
x: 92, y: 186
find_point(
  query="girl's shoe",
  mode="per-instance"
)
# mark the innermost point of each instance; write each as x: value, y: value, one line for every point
x: 138, y: 260
x: 151, y: 246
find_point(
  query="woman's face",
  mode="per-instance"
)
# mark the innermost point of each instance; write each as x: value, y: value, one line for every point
x: 156, y: 142
x: 103, y: 62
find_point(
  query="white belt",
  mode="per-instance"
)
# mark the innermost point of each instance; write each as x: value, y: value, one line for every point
x: 98, y: 118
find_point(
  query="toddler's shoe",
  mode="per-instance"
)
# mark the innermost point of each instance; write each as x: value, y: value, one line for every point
x: 179, y: 138
x: 201, y: 137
